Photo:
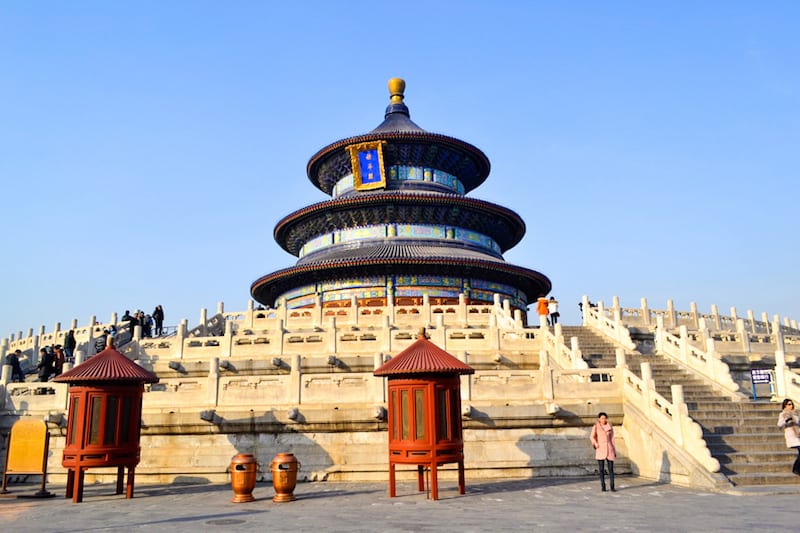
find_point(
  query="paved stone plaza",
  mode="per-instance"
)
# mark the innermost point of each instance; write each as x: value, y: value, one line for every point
x: 544, y: 504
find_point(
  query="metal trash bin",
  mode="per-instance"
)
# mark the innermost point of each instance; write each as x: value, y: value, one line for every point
x: 244, y: 468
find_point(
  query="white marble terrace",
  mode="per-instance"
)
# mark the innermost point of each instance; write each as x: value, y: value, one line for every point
x: 297, y: 365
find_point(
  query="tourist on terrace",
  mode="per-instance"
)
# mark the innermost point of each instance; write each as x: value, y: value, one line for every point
x: 130, y: 320
x: 69, y: 346
x: 605, y: 450
x: 542, y: 311
x: 158, y: 319
x: 100, y: 342
x: 789, y: 422
x: 552, y: 309
x: 12, y: 360
x: 58, y: 360
x: 45, y: 365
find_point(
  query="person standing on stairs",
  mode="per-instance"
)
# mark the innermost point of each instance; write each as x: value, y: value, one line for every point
x: 552, y: 309
x: 605, y: 450
x: 789, y: 422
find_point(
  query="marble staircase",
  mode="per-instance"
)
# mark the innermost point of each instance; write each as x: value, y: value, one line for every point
x: 742, y: 435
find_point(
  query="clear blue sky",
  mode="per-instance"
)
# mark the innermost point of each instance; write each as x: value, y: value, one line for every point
x: 147, y: 149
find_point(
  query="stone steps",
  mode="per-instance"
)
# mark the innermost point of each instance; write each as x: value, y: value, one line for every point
x: 756, y: 445
x: 764, y: 478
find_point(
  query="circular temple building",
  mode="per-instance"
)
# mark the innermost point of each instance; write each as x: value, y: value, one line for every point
x: 399, y: 225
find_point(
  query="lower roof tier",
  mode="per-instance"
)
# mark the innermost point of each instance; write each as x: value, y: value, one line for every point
x: 527, y: 285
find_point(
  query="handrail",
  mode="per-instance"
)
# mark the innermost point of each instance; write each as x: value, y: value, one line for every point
x: 708, y: 364
x: 595, y: 317
x: 672, y: 416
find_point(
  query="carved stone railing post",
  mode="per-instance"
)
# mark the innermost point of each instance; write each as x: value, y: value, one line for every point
x: 462, y: 310
x: 249, y: 315
x: 679, y: 417
x: 684, y: 344
x: 317, y: 311
x: 744, y: 336
x: 751, y: 319
x: 281, y: 334
x: 671, y: 314
x: 715, y: 317
x: 333, y: 335
x: 649, y: 385
x: 546, y: 376
x: 181, y: 335
x: 695, y: 315
x: 203, y: 322
x: 620, y: 357
x: 777, y: 337
x: 379, y: 385
x: 780, y: 373
x: 295, y: 381
x: 213, y: 381
x: 702, y: 328
x: 645, y: 312
x: 585, y: 309
x: 466, y: 380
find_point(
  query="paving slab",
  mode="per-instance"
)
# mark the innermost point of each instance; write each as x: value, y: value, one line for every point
x: 547, y: 504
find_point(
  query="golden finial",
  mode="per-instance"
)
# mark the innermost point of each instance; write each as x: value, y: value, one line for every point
x: 422, y: 334
x: 397, y: 87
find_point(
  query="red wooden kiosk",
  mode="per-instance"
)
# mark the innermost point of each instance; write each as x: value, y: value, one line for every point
x: 425, y: 411
x: 105, y: 407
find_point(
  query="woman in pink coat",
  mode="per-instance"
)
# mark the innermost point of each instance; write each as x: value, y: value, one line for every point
x: 789, y: 422
x: 605, y: 451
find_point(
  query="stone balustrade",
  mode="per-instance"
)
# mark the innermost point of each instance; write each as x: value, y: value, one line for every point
x: 610, y: 326
x: 646, y: 317
x: 672, y: 417
x: 708, y: 363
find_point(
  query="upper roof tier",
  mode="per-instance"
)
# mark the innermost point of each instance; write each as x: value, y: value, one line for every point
x: 392, y: 207
x: 406, y: 144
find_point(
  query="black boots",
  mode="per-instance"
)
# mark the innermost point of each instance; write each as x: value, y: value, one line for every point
x: 602, y: 470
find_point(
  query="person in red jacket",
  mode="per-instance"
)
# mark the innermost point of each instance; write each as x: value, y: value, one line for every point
x: 605, y: 451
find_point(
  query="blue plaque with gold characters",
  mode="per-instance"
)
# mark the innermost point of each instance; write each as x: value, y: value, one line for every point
x: 367, y: 162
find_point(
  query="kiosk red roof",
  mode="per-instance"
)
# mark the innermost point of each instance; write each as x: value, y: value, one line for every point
x: 108, y: 365
x: 423, y: 357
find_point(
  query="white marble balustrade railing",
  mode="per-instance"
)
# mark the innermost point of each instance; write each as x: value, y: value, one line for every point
x: 707, y: 363
x: 673, y: 318
x: 611, y: 327
x: 673, y: 417
x: 566, y: 357
x: 787, y: 382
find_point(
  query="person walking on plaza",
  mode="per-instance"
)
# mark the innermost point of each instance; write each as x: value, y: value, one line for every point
x: 552, y: 309
x: 158, y: 319
x: 789, y: 422
x: 12, y: 360
x: 605, y: 450
x: 542, y: 311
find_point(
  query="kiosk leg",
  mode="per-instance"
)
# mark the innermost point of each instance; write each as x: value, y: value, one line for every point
x: 70, y: 482
x: 420, y: 478
x: 120, y: 478
x: 434, y: 482
x: 77, y: 495
x: 129, y: 488
x: 392, y: 491
x: 461, y: 485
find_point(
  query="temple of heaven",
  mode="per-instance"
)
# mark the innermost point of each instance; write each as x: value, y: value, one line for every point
x: 399, y: 226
